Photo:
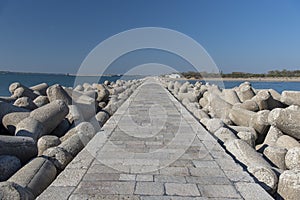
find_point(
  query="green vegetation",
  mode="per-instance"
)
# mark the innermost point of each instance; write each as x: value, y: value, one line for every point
x: 273, y: 73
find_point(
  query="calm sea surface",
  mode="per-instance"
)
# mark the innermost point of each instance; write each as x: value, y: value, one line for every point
x: 32, y: 79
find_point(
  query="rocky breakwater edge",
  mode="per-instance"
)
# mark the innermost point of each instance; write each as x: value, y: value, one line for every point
x: 260, y: 129
x: 42, y: 128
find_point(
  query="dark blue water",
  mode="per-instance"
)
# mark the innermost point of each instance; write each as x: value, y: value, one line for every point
x: 33, y: 79
x: 276, y: 85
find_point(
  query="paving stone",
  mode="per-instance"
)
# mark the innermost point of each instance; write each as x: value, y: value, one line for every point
x: 205, y: 171
x: 218, y: 191
x: 172, y: 198
x: 101, y: 177
x: 55, y: 193
x: 205, y: 163
x: 252, y: 191
x: 208, y: 180
x: 179, y: 189
x: 69, y: 177
x: 104, y: 187
x: 103, y: 197
x: 176, y: 171
x: 169, y: 179
x: 149, y: 188
x: 127, y: 177
x: 144, y: 177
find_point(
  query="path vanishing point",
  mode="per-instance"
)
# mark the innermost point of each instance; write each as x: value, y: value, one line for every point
x: 153, y: 148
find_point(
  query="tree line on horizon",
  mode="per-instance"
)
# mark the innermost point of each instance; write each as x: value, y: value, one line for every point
x: 272, y: 74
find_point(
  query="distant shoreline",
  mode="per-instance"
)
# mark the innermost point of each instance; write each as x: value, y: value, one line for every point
x: 261, y: 79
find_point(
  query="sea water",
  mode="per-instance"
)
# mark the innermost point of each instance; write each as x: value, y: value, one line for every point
x: 6, y: 78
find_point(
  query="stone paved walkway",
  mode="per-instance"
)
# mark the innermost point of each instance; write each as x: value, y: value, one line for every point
x: 153, y: 148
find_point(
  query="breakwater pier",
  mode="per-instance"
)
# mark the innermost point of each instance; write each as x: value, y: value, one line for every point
x: 146, y: 142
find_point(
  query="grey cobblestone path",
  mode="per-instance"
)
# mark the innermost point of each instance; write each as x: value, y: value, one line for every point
x: 153, y: 148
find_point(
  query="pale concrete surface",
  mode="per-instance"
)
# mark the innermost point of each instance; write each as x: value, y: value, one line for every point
x: 153, y: 148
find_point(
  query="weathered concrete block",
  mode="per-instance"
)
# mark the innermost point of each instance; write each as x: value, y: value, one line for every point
x: 56, y: 92
x: 46, y: 142
x: 11, y: 120
x: 245, y: 153
x: 288, y: 186
x: 231, y: 96
x: 25, y: 102
x: 225, y: 134
x: 248, y: 137
x: 41, y: 101
x: 9, y: 191
x: 8, y: 166
x: 40, y: 88
x: 247, y: 105
x: 278, y: 118
x: 276, y: 155
x: 292, y: 158
x: 287, y: 142
x: 213, y: 125
x: 291, y: 97
x: 35, y: 176
x: 62, y: 128
x: 51, y: 114
x: 266, y: 176
x: 6, y: 108
x: 259, y: 121
x: 245, y: 91
x: 240, y: 117
x: 218, y: 107
x: 30, y: 127
x: 24, y: 92
x: 59, y: 157
x: 200, y: 114
x: 272, y: 136
x: 23, y: 148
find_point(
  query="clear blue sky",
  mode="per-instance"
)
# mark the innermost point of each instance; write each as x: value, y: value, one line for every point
x: 240, y: 35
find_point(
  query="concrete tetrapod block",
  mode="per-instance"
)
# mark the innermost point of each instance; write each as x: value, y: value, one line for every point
x: 11, y: 120
x: 40, y: 88
x: 255, y: 163
x: 245, y: 92
x: 247, y: 105
x: 218, y: 106
x: 13, y: 86
x: 248, y: 137
x: 46, y: 142
x: 259, y: 121
x: 41, y: 101
x: 276, y: 155
x: 35, y: 176
x: 287, y: 142
x: 9, y: 191
x: 231, y: 96
x: 56, y: 92
x: 6, y: 108
x: 84, y: 127
x: 272, y: 136
x: 8, y: 166
x: 288, y: 186
x: 266, y: 176
x: 240, y: 117
x: 291, y: 97
x: 59, y: 157
x: 278, y: 117
x: 62, y: 128
x: 51, y: 114
x: 292, y: 158
x: 23, y: 148
x: 30, y: 127
x: 225, y: 134
x: 25, y: 102
x: 24, y: 92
